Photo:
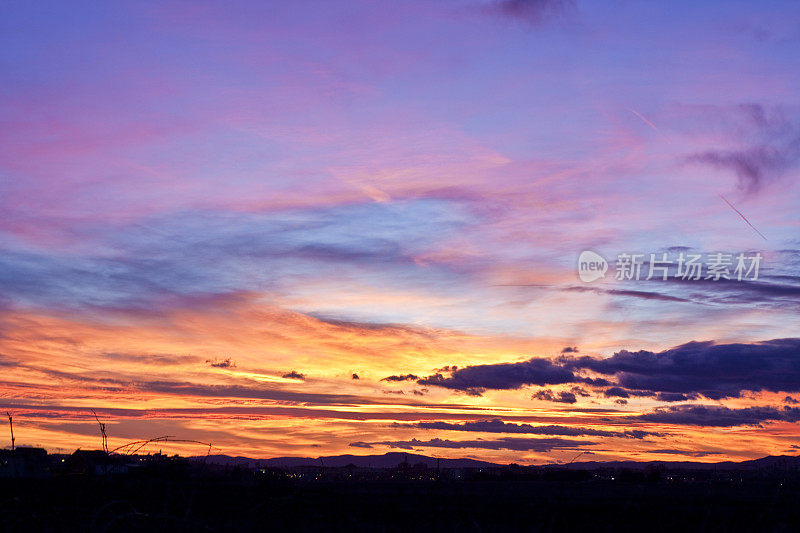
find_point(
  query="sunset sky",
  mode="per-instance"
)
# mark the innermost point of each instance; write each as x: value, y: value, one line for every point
x: 315, y: 228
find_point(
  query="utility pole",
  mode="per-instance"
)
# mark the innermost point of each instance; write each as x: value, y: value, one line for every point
x: 11, y: 425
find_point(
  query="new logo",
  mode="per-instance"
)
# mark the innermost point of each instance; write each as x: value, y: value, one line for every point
x: 591, y: 266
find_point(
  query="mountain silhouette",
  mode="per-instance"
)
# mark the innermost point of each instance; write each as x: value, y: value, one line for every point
x: 387, y: 460
x: 393, y: 459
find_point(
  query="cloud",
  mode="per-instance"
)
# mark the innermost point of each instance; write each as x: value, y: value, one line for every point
x: 752, y: 166
x: 200, y: 252
x: 616, y: 392
x: 713, y: 370
x: 294, y: 375
x: 405, y: 377
x: 774, y: 288
x: 770, y: 145
x: 774, y: 291
x: 235, y: 410
x: 531, y: 11
x: 5, y: 361
x: 152, y: 359
x: 570, y: 349
x: 619, y: 392
x: 257, y: 391
x: 225, y: 363
x: 560, y: 397
x: 477, y: 379
x: 498, y: 426
x: 645, y: 295
x: 688, y: 453
x: 719, y: 416
x: 505, y: 443
x: 249, y: 390
x: 676, y: 396
x: 579, y: 391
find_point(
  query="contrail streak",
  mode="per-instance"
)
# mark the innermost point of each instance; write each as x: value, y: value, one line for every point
x: 644, y: 119
x: 743, y: 217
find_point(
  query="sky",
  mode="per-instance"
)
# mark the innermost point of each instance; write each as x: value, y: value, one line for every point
x: 316, y: 228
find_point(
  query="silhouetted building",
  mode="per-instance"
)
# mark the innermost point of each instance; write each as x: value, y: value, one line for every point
x: 24, y: 462
x: 95, y: 462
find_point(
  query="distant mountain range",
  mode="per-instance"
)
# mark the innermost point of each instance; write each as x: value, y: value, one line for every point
x: 764, y: 463
x: 392, y: 459
x: 388, y: 460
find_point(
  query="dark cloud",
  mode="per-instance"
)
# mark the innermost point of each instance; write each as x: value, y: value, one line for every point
x: 714, y: 370
x: 531, y: 11
x: 498, y: 426
x: 719, y: 416
x: 403, y: 377
x: 506, y: 443
x: 753, y: 166
x: 646, y: 295
x: 578, y: 391
x: 791, y: 400
x: 383, y: 327
x: 355, y: 376
x: 153, y: 359
x: 686, y: 372
x: 570, y: 349
x: 225, y: 363
x: 294, y: 375
x: 676, y: 396
x: 502, y: 376
x: 619, y: 392
x: 775, y: 287
x: 549, y: 396
x: 5, y: 361
x: 769, y: 143
x: 678, y: 249
x: 595, y: 382
x: 688, y: 453
x: 748, y: 292
x: 182, y: 388
x: 774, y: 291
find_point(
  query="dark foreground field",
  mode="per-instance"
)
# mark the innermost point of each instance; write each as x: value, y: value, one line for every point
x: 175, y: 501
